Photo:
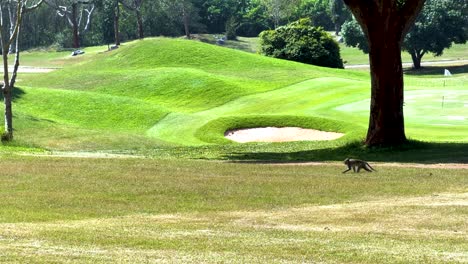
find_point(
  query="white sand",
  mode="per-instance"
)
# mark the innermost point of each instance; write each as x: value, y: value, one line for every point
x: 279, y: 134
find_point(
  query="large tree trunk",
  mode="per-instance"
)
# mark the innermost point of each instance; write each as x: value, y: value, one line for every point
x: 416, y: 56
x: 386, y: 124
x: 385, y: 23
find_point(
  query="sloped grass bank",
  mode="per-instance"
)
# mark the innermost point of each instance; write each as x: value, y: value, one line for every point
x: 178, y: 96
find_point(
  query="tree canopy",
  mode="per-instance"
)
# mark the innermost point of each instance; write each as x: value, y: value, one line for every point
x: 440, y: 23
x: 73, y: 23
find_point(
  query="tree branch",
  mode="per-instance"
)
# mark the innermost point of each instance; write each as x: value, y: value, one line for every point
x: 409, y: 12
x: 88, y: 21
x: 31, y: 8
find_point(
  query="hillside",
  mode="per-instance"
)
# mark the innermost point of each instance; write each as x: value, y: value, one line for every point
x: 162, y: 91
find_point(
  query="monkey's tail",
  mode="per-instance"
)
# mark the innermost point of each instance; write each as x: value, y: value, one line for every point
x: 371, y: 167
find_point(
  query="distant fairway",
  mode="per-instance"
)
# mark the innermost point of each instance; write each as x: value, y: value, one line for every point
x: 172, y: 92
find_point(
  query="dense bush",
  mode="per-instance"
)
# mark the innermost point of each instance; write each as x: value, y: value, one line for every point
x: 300, y: 41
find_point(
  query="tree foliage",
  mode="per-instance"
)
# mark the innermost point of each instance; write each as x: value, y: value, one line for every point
x: 353, y: 36
x: 317, y: 11
x: 300, y: 41
x: 339, y: 14
x: 440, y: 23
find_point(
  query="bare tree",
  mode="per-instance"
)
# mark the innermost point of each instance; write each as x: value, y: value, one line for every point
x: 385, y: 24
x: 74, y: 11
x: 135, y: 6
x: 21, y: 7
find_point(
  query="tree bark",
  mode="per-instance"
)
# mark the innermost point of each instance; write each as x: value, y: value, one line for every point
x: 75, y: 26
x: 8, y: 134
x: 386, y: 122
x: 6, y: 92
x: 416, y: 56
x: 116, y: 24
x: 385, y: 23
x: 186, y: 22
x: 141, y: 34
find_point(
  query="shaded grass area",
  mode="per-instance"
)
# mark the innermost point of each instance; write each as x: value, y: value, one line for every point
x: 414, y: 151
x: 305, y: 151
x: 437, y: 70
x: 126, y: 210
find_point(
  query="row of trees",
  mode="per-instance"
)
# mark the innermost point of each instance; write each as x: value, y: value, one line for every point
x: 74, y: 23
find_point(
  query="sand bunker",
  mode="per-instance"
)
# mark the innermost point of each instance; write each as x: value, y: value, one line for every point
x: 279, y: 134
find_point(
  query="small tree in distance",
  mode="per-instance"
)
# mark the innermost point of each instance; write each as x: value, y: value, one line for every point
x: 73, y: 11
x: 440, y: 23
x: 300, y: 41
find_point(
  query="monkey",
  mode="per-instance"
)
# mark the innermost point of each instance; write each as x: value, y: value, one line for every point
x: 357, y: 165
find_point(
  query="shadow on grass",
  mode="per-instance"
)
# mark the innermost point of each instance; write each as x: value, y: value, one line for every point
x: 17, y: 94
x: 412, y: 152
x: 434, y: 70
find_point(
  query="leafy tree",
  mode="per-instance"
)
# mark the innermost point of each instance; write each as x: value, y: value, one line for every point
x: 353, y: 36
x: 339, y: 14
x: 254, y: 20
x: 231, y: 29
x: 440, y: 23
x: 215, y: 13
x: 108, y: 19
x: 73, y: 11
x: 317, y: 11
x: 385, y: 24
x: 300, y: 41
x: 186, y: 11
x: 135, y: 6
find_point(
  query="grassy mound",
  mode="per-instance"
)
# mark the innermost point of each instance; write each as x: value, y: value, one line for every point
x: 186, y: 93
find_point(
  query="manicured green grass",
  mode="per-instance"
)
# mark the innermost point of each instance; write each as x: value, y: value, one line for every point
x: 161, y: 92
x: 55, y: 58
x: 127, y: 210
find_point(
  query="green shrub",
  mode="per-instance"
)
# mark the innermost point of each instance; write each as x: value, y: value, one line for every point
x: 231, y: 27
x: 353, y: 36
x: 300, y: 41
